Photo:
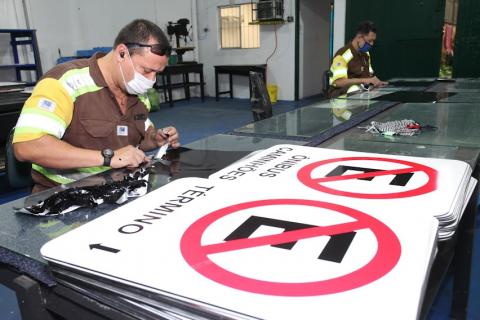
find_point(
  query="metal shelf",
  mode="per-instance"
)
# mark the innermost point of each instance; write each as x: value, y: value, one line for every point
x: 22, y: 37
x: 26, y: 66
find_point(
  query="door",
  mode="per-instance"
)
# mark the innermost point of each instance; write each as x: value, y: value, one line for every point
x: 409, y: 35
x: 314, y: 45
x: 467, y: 40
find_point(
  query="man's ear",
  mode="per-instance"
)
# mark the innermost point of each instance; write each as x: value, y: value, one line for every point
x: 120, y: 51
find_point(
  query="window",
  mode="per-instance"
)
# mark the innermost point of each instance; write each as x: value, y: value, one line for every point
x: 235, y: 28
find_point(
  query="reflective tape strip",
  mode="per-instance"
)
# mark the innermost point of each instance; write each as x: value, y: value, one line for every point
x: 347, y: 55
x: 148, y: 123
x: 339, y: 69
x: 337, y: 73
x: 78, y: 82
x: 145, y: 101
x: 67, y: 176
x: 370, y: 69
x: 353, y: 88
x: 340, y: 72
x: 52, y: 176
x: 43, y: 113
x: 35, y: 122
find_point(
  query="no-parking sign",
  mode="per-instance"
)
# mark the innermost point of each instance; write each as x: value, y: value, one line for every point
x: 367, y: 169
x: 228, y: 252
x: 355, y: 176
x: 197, y: 254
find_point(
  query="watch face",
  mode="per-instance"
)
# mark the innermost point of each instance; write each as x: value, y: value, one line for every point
x: 107, y: 153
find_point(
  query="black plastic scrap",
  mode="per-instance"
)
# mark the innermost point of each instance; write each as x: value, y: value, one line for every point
x: 89, y: 196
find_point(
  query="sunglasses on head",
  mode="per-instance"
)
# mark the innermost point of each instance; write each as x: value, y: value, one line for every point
x: 157, y: 49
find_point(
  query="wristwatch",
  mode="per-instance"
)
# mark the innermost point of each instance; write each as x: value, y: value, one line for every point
x: 107, y: 156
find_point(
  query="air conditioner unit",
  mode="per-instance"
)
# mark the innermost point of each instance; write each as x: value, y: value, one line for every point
x: 269, y: 10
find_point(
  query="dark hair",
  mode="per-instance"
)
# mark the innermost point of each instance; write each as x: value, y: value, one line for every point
x: 140, y: 31
x: 365, y: 27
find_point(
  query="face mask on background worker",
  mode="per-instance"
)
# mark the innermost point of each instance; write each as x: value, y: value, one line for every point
x: 139, y: 84
x: 365, y: 47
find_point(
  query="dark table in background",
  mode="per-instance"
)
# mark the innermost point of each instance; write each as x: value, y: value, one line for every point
x: 238, y: 70
x: 184, y: 69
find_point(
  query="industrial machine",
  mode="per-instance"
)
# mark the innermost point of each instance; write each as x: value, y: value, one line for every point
x: 181, y: 32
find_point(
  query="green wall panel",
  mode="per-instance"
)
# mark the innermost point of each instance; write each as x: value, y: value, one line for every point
x: 467, y: 41
x: 409, y: 35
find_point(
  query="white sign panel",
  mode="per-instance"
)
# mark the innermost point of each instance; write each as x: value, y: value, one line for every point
x: 434, y: 187
x: 259, y: 253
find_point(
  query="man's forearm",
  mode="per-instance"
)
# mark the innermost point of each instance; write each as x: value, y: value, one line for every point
x: 51, y: 152
x: 346, y: 82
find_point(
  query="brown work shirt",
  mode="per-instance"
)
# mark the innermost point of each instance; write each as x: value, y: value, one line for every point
x: 78, y: 107
x: 348, y: 63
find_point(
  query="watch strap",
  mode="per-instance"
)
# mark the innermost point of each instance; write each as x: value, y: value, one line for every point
x: 107, y: 161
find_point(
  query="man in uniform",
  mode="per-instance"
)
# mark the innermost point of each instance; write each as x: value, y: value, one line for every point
x: 88, y: 115
x: 351, y: 68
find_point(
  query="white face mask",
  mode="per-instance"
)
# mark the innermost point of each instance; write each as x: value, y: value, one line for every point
x: 139, y: 84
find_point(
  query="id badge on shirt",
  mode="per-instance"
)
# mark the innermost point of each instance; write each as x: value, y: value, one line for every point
x: 122, y: 130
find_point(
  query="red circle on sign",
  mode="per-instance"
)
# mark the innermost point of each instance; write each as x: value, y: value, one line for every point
x: 305, y: 176
x: 196, y: 254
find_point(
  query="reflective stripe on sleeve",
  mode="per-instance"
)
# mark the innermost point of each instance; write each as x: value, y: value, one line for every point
x: 347, y: 55
x: 78, y: 82
x: 339, y: 69
x: 34, y: 122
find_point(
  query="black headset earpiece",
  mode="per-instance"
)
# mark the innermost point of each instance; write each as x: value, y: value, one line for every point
x: 122, y: 54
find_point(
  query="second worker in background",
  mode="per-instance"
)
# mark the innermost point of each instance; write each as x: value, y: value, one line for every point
x: 351, y: 69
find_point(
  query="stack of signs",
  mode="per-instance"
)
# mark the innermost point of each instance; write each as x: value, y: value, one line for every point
x: 405, y: 187
x: 196, y: 249
x: 267, y: 238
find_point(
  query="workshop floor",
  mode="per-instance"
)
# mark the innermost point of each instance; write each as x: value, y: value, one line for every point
x: 196, y: 120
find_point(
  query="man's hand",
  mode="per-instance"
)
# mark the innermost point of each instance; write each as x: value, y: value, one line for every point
x: 383, y: 83
x: 128, y: 156
x: 375, y: 82
x: 167, y: 135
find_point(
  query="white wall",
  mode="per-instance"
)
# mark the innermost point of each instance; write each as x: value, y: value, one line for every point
x: 314, y: 45
x: 281, y: 66
x: 68, y: 26
x: 84, y: 24
x: 340, y: 9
